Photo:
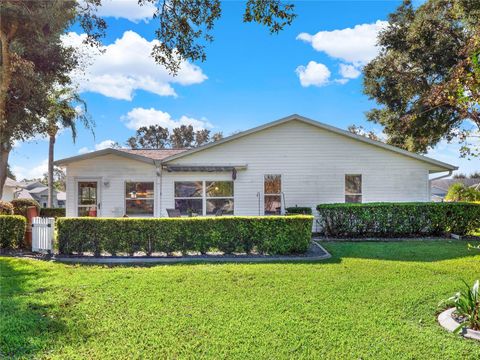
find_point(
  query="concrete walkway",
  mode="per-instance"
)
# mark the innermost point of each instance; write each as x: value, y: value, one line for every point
x: 315, y: 253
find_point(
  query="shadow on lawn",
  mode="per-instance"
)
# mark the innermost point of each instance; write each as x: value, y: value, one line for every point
x: 27, y: 324
x: 423, y: 251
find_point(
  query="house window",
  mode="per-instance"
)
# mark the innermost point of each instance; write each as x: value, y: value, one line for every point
x: 139, y: 198
x: 353, y: 188
x: 204, y: 197
x: 219, y: 197
x: 272, y: 194
x: 189, y: 197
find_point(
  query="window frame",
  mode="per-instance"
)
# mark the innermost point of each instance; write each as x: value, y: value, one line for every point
x: 280, y: 194
x: 360, y: 194
x: 204, y: 197
x: 125, y: 199
x: 98, y: 207
x: 207, y: 197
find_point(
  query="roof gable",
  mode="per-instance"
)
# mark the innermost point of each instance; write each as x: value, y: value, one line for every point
x: 320, y: 125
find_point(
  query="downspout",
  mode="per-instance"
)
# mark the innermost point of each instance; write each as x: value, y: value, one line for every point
x: 450, y: 172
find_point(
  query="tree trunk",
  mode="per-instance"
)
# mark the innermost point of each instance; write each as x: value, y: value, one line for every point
x: 6, y: 74
x: 51, y: 148
x: 4, y: 152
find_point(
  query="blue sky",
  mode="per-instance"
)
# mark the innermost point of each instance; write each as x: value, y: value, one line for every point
x: 250, y: 77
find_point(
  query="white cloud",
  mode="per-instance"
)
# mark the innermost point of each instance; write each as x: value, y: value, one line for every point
x: 105, y: 144
x: 349, y: 71
x: 127, y: 9
x: 127, y: 65
x: 313, y: 74
x: 355, y: 45
x: 31, y: 172
x: 139, y: 117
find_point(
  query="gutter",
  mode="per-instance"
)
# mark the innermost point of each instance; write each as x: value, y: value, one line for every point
x: 450, y: 172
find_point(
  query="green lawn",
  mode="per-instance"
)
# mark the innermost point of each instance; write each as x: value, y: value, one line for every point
x: 371, y: 300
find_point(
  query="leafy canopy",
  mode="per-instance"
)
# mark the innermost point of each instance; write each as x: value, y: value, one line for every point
x: 157, y: 137
x: 426, y: 77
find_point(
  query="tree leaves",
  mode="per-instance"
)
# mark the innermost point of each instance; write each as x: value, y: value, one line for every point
x: 425, y: 77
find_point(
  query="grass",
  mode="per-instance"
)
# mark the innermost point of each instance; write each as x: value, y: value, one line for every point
x: 371, y: 300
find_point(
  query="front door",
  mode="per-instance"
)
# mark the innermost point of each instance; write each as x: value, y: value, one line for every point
x: 88, y: 200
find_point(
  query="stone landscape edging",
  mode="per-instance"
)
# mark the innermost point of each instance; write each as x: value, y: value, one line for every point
x: 190, y: 259
x: 448, y: 322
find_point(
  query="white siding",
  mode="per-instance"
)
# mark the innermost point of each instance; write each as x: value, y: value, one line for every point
x: 111, y: 169
x: 8, y: 193
x: 312, y: 161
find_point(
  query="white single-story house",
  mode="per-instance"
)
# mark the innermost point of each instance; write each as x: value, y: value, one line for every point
x: 294, y: 161
x: 9, y: 189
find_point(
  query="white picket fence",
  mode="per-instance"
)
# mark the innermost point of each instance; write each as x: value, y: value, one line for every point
x: 42, y: 233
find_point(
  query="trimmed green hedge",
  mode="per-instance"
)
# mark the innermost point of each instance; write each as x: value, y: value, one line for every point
x: 301, y: 210
x: 12, y: 231
x: 266, y: 234
x: 52, y: 212
x: 398, y: 219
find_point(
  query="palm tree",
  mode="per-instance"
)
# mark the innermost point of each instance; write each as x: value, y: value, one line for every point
x: 65, y: 109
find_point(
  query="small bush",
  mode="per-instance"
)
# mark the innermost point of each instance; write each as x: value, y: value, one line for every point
x: 467, y: 305
x: 268, y: 234
x: 6, y: 208
x: 460, y: 192
x: 301, y: 210
x: 12, y: 231
x: 20, y: 206
x: 52, y: 212
x: 398, y: 219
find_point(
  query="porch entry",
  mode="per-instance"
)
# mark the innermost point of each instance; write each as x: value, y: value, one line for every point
x: 88, y: 203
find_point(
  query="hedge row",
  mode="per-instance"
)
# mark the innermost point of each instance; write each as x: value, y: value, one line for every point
x: 52, y: 212
x: 398, y: 219
x: 270, y: 235
x: 302, y: 210
x: 12, y: 231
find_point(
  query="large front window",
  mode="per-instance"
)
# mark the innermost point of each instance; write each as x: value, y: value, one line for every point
x: 204, y: 197
x: 272, y: 194
x: 139, y: 198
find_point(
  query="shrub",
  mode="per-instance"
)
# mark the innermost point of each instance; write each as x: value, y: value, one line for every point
x: 460, y: 192
x: 12, y: 231
x: 398, y: 219
x: 303, y: 210
x: 272, y: 234
x: 467, y: 305
x: 52, y: 212
x: 6, y: 208
x: 20, y: 206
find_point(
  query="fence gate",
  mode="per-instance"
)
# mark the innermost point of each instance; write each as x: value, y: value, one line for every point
x: 42, y: 233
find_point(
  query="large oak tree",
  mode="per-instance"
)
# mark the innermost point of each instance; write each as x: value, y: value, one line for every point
x: 426, y: 77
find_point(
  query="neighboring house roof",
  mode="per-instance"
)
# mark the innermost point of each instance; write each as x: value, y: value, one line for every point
x: 12, y: 183
x: 29, y: 185
x: 24, y: 194
x: 444, y: 184
x: 146, y: 156
x: 39, y: 189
